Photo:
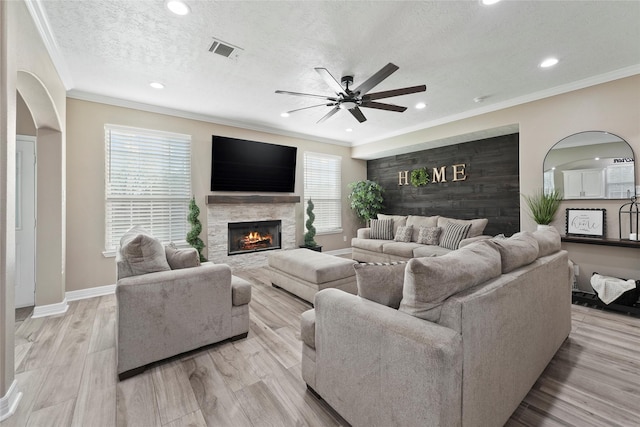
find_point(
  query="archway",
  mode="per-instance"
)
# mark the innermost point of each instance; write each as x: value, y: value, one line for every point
x: 50, y: 199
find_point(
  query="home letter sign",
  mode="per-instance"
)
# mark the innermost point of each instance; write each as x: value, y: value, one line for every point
x: 403, y: 178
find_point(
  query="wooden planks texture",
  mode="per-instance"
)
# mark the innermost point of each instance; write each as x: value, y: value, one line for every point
x: 65, y: 366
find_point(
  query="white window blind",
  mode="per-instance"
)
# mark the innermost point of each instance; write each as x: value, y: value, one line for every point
x: 148, y: 183
x: 323, y: 185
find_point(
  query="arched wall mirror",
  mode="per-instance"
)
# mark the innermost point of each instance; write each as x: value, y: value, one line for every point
x: 590, y: 165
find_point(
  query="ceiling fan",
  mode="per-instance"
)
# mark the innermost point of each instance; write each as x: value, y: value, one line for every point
x: 352, y: 99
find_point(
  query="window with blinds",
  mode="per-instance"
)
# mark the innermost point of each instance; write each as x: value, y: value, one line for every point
x: 148, y: 183
x: 323, y: 185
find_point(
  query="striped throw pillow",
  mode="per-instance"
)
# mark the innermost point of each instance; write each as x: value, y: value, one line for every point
x: 453, y: 234
x: 382, y: 229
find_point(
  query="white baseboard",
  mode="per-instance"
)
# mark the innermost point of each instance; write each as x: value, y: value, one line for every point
x: 98, y: 291
x: 9, y: 402
x: 50, y: 309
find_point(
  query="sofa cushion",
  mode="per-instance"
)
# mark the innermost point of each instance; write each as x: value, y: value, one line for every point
x: 548, y: 241
x: 144, y: 253
x: 382, y: 229
x: 398, y: 220
x: 428, y: 282
x: 418, y: 221
x: 516, y: 251
x: 402, y: 249
x: 453, y: 234
x: 429, y: 235
x: 181, y: 258
x: 477, y: 225
x: 429, y: 250
x: 381, y: 282
x: 374, y: 245
x: 403, y: 234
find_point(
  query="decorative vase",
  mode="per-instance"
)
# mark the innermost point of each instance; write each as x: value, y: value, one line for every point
x: 544, y: 227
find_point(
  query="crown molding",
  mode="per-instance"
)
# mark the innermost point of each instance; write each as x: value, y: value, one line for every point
x: 39, y: 17
x: 547, y: 93
x: 103, y: 99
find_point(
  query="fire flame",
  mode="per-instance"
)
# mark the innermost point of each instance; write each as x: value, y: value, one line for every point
x: 256, y: 237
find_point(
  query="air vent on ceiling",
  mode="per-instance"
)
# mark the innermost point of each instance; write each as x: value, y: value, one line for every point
x: 225, y: 49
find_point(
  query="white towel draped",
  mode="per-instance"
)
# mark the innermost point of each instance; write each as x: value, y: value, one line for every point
x: 610, y: 288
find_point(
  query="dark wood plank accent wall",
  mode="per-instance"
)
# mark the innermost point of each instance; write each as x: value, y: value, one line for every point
x: 491, y: 189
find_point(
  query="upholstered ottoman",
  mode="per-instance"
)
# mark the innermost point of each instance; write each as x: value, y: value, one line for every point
x: 304, y: 272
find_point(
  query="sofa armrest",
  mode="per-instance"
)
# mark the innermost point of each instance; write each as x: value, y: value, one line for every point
x: 363, y: 233
x: 378, y: 366
x: 308, y: 328
x: 240, y: 291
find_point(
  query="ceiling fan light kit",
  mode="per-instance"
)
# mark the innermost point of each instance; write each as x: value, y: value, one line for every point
x: 352, y: 100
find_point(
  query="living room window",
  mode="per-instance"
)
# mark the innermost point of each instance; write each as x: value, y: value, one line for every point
x: 323, y: 185
x: 147, y: 183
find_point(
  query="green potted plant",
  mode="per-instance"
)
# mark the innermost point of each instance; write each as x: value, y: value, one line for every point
x: 309, y: 241
x: 193, y: 237
x: 366, y: 199
x: 543, y: 206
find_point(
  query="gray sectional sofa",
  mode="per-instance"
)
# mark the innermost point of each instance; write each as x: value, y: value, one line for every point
x: 368, y: 249
x: 474, y: 330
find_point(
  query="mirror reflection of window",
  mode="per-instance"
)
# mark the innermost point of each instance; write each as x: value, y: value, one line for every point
x: 620, y: 181
x: 549, y: 185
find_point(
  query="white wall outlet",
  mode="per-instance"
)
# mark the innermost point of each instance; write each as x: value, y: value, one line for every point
x: 576, y: 270
x: 344, y: 238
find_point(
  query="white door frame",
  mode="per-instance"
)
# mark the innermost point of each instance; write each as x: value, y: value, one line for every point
x: 25, y: 275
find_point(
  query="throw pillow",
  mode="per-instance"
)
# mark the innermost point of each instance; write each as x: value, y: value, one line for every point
x: 429, y: 235
x: 403, y: 234
x: 516, y: 251
x: 453, y: 234
x: 382, y: 229
x: 429, y: 282
x: 398, y: 220
x: 381, y: 282
x: 144, y: 253
x: 548, y: 241
x: 181, y: 258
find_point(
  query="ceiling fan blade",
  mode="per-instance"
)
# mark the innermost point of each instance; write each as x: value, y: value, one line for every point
x: 329, y: 114
x: 395, y: 92
x: 372, y: 81
x: 329, y: 80
x: 355, y: 112
x: 313, y: 106
x: 381, y: 106
x: 328, y: 98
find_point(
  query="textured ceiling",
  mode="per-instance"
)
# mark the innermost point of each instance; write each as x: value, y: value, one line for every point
x: 460, y: 49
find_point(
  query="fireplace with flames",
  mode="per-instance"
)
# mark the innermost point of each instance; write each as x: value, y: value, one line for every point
x: 253, y: 236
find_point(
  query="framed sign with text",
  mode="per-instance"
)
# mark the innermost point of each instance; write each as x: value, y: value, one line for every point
x: 584, y: 222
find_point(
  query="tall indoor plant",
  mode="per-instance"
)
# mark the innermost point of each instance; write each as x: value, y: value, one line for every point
x: 366, y: 199
x: 193, y: 237
x: 543, y: 206
x: 309, y: 236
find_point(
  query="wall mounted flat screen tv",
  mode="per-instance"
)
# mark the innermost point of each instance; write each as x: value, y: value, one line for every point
x: 241, y: 165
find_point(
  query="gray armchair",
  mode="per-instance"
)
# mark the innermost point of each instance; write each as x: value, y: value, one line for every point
x: 164, y: 313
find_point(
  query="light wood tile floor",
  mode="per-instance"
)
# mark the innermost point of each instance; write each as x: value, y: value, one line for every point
x: 65, y: 366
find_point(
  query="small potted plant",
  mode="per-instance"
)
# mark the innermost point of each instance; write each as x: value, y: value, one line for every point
x: 543, y: 206
x: 366, y: 199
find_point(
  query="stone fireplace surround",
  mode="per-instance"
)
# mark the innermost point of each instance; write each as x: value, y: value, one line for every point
x: 222, y: 209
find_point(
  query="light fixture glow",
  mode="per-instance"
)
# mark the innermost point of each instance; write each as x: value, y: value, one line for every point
x: 489, y: 2
x: 549, y: 62
x: 597, y: 158
x: 178, y: 7
x: 349, y: 130
x: 421, y: 105
x: 156, y: 85
x: 284, y: 114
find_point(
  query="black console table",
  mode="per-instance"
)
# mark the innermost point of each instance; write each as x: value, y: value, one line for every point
x: 623, y: 243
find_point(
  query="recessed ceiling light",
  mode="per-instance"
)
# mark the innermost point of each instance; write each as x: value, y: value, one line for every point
x: 597, y: 158
x: 178, y: 7
x: 489, y: 2
x: 349, y: 130
x: 284, y: 114
x: 156, y: 85
x: 420, y: 105
x: 549, y: 62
